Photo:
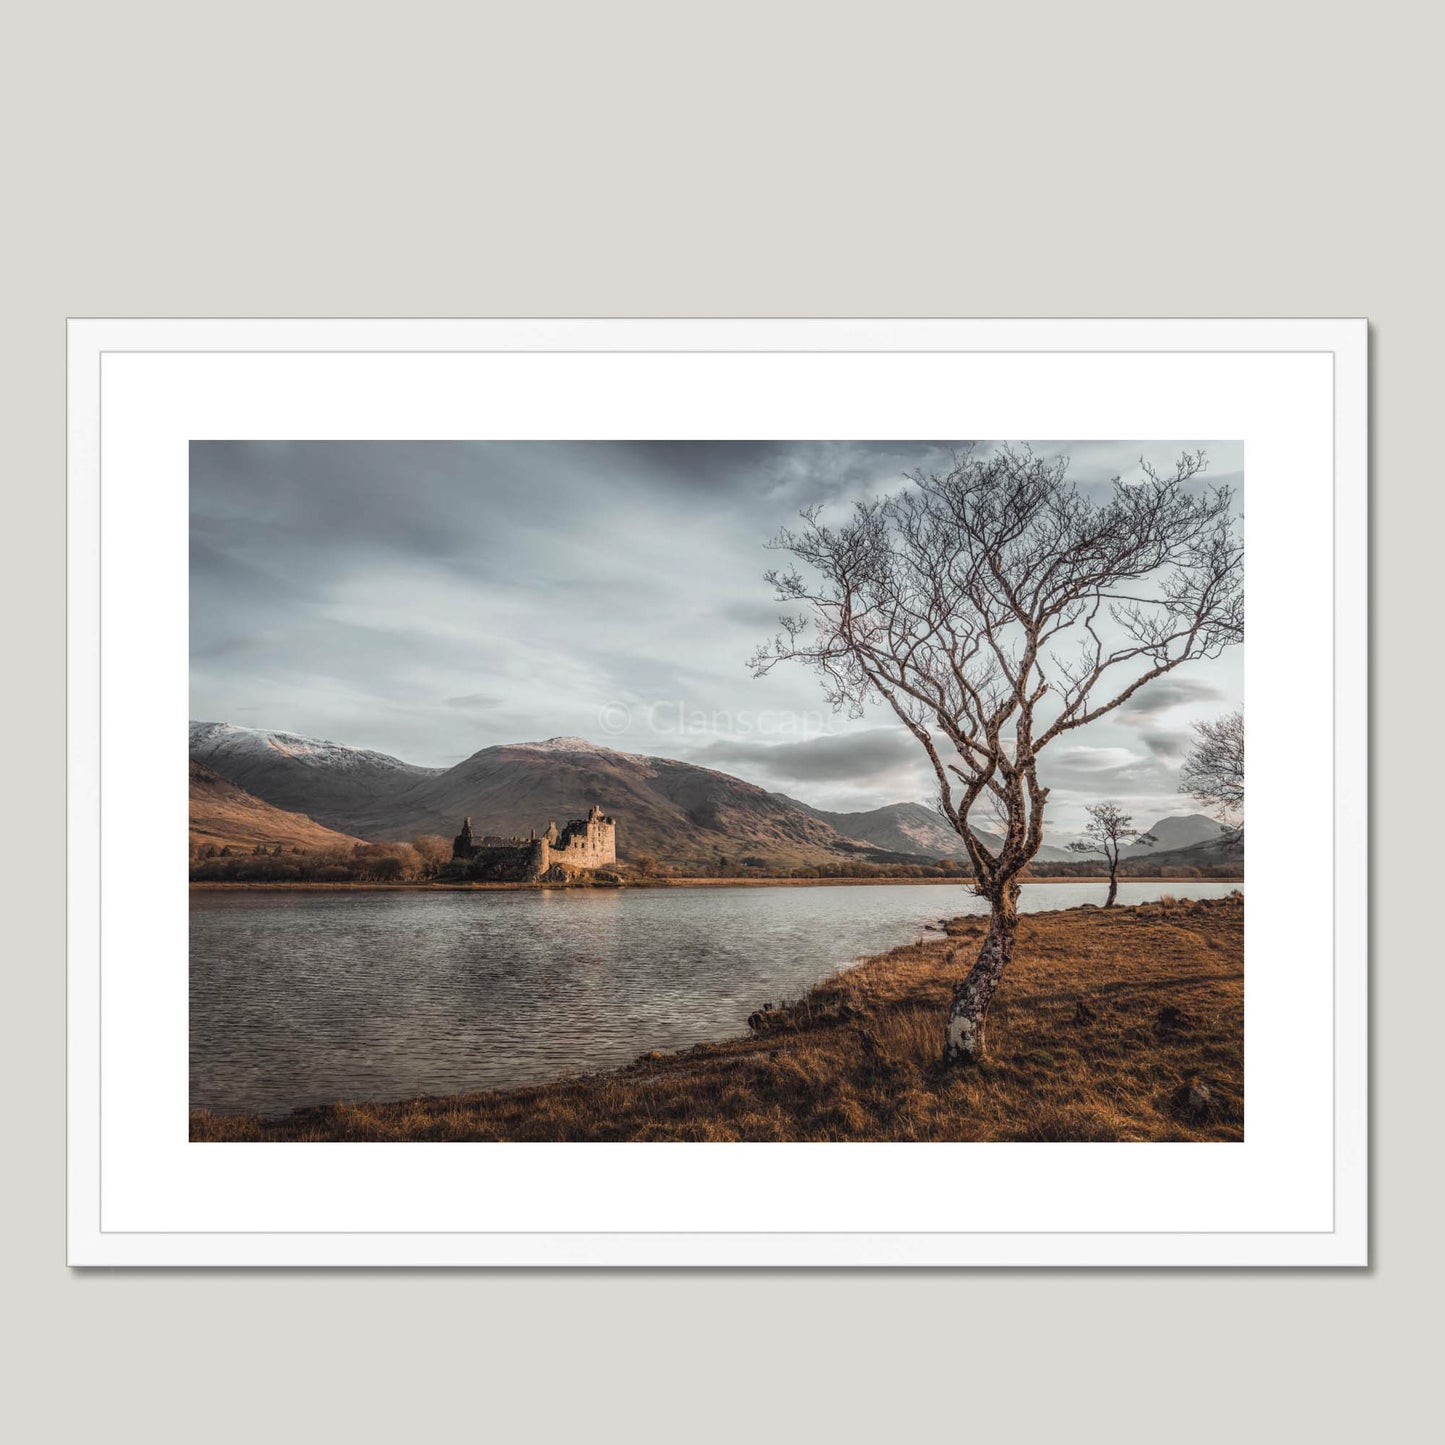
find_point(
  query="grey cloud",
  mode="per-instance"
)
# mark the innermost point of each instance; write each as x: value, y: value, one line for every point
x: 1102, y: 770
x: 761, y: 615
x: 833, y: 758
x: 1164, y: 693
x: 432, y: 598
x: 1162, y: 744
x: 798, y: 470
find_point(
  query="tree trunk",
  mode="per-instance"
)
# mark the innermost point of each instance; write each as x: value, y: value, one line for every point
x: 963, y: 1039
x: 1113, y: 889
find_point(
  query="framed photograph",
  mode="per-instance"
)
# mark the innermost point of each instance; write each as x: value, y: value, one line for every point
x: 718, y: 792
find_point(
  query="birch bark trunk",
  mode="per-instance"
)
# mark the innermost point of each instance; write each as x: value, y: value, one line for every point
x: 963, y: 1041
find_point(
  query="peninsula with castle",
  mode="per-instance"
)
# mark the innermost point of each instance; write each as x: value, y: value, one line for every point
x: 584, y: 846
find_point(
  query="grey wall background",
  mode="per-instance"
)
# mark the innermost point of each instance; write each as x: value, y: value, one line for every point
x: 793, y: 159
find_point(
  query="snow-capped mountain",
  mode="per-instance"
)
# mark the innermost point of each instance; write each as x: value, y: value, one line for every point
x: 572, y: 745
x: 349, y: 789
x: 229, y: 740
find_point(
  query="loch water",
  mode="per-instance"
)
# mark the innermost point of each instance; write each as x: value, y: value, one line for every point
x: 315, y: 997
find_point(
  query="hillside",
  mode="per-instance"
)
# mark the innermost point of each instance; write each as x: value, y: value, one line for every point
x: 1213, y: 854
x: 345, y: 788
x: 224, y: 815
x: 913, y: 828
x: 1188, y: 831
x: 666, y: 809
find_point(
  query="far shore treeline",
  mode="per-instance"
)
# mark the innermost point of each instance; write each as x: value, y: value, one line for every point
x: 428, y: 859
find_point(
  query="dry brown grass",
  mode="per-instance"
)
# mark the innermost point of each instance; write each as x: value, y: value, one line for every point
x: 223, y: 814
x: 1162, y: 993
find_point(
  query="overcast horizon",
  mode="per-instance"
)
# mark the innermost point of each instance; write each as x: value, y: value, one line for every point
x: 429, y: 599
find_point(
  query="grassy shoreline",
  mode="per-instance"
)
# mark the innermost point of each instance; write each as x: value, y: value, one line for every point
x: 1124, y: 1024
x: 202, y: 886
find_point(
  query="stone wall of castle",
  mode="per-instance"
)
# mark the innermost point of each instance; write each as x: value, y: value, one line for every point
x: 584, y: 844
x: 510, y: 862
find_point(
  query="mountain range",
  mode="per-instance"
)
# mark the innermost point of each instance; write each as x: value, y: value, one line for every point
x: 914, y: 828
x: 676, y: 812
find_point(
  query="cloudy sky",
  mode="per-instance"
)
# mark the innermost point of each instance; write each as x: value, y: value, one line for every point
x: 431, y: 598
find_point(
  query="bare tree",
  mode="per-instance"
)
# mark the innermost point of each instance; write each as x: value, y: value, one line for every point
x: 1213, y: 772
x: 1107, y: 830
x: 995, y: 609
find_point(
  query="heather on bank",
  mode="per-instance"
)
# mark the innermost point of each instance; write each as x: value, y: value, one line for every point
x: 420, y: 861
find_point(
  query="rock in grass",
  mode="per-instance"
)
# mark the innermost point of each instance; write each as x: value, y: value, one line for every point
x: 1193, y: 1102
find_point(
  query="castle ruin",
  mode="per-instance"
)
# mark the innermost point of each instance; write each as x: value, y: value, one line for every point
x: 583, y: 845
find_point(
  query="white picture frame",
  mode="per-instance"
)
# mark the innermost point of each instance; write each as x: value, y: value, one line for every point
x: 1293, y: 1193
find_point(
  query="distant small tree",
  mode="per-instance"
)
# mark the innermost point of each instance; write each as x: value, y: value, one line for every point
x: 1108, y: 830
x: 1213, y: 772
